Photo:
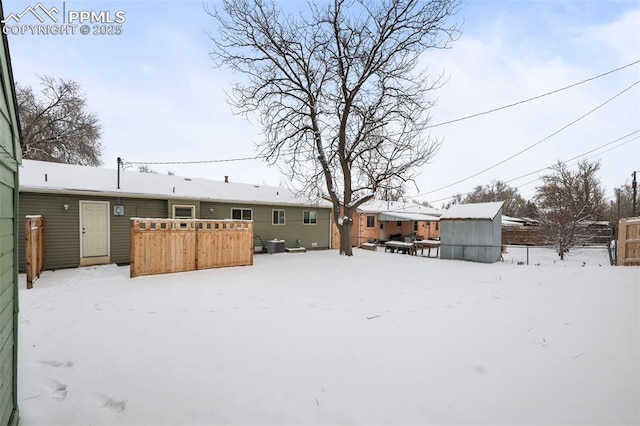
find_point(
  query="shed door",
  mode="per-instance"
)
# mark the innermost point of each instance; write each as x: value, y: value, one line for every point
x: 94, y: 228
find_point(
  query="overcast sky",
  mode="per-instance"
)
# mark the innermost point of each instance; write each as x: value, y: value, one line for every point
x: 159, y: 97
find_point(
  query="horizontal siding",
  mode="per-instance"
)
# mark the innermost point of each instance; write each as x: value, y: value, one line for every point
x: 62, y: 227
x: 121, y: 225
x: 7, y: 337
x: 9, y: 155
x: 264, y: 230
x: 61, y: 232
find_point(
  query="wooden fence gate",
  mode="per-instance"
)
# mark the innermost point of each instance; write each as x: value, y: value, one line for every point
x: 628, y: 245
x: 34, y: 235
x: 161, y: 246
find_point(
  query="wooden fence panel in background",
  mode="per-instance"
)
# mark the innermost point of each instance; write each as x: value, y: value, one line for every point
x: 34, y: 235
x: 628, y: 245
x: 161, y: 246
x: 224, y: 243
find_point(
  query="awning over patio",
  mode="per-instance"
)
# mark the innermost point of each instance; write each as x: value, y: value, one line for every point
x: 406, y: 217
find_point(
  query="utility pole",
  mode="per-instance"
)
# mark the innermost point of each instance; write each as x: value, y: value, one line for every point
x: 119, y: 165
x: 634, y: 185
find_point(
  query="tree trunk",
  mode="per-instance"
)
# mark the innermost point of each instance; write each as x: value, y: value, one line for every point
x: 345, y: 237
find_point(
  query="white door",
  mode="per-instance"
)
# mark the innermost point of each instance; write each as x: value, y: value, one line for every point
x: 94, y: 228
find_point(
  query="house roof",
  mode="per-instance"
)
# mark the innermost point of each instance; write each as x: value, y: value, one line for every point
x: 472, y: 211
x: 41, y: 176
x: 406, y: 216
x: 379, y: 206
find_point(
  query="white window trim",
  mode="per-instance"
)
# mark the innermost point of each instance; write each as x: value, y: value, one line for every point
x: 241, y: 209
x: 310, y: 223
x: 183, y: 206
x: 285, y: 217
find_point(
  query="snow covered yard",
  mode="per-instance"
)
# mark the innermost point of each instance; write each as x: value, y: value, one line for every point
x: 317, y: 338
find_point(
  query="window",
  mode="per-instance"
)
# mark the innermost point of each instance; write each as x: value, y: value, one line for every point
x: 278, y: 217
x: 184, y: 212
x: 242, y: 214
x: 309, y: 217
x: 398, y: 223
x: 371, y: 221
x: 437, y: 226
x: 415, y: 226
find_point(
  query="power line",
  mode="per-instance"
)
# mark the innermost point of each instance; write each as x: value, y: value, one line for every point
x: 192, y: 162
x: 259, y: 157
x: 565, y: 161
x: 533, y: 145
x: 532, y: 99
x: 584, y: 153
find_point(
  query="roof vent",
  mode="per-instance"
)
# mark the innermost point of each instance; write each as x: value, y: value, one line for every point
x: 226, y: 179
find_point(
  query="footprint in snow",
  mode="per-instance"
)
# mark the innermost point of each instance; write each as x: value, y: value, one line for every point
x: 58, y: 390
x: 110, y: 403
x: 51, y: 363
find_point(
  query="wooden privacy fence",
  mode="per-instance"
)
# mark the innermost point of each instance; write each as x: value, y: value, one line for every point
x: 628, y: 245
x: 34, y: 235
x: 160, y: 246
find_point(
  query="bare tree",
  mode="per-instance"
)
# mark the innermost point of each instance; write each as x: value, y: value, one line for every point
x: 622, y: 203
x: 55, y: 124
x: 497, y: 190
x: 144, y: 168
x: 566, y: 199
x: 337, y: 90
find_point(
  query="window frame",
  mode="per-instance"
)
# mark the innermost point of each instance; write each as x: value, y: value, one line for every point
x: 308, y: 221
x: 242, y: 210
x: 371, y: 216
x: 284, y: 217
x: 183, y: 206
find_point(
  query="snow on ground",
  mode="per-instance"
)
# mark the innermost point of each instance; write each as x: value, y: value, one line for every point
x: 317, y: 338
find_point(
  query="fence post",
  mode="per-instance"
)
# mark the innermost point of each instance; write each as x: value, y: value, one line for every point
x: 622, y: 241
x: 34, y: 248
x: 28, y: 252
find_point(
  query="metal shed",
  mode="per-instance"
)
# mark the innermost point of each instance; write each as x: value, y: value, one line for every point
x: 472, y: 232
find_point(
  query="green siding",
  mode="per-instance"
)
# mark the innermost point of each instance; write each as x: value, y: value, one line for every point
x: 9, y: 157
x: 121, y: 225
x: 62, y: 227
x: 263, y: 228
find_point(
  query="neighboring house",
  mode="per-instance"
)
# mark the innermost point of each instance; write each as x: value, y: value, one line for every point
x: 9, y: 160
x: 87, y: 210
x: 385, y: 220
x: 379, y: 220
x: 472, y: 232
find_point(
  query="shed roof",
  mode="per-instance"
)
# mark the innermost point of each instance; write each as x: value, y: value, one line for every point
x: 41, y: 176
x: 486, y: 211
